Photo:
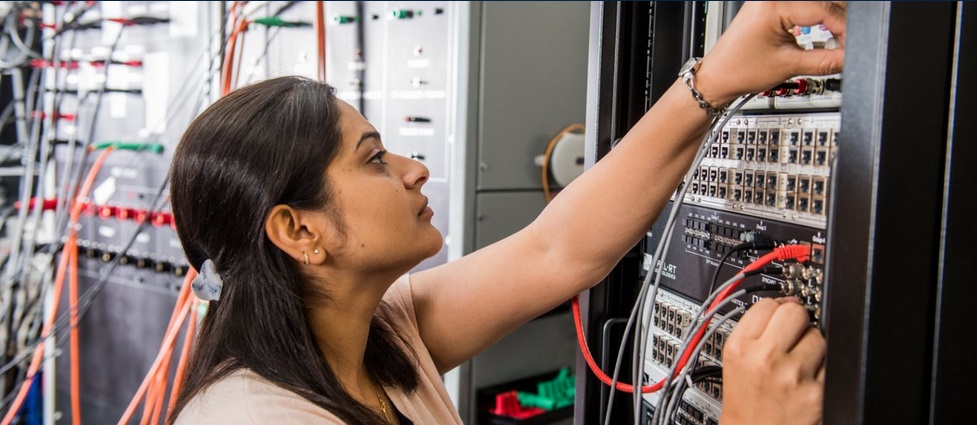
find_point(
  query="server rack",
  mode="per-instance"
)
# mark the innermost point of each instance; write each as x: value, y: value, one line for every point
x: 896, y: 272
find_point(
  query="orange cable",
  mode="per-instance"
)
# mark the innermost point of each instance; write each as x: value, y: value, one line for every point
x: 71, y: 250
x: 184, y: 354
x: 229, y: 55
x: 320, y: 32
x: 155, y: 398
x: 796, y: 252
x: 179, y: 314
x: 229, y: 49
x: 549, y: 153
x: 63, y: 266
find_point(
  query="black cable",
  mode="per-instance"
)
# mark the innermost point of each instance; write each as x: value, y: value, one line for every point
x: 361, y: 46
x: 766, y: 287
x: 771, y: 270
x: 758, y: 245
x: 705, y: 372
x: 75, y: 21
x: 284, y: 8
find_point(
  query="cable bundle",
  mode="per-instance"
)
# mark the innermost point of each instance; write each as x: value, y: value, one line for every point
x: 705, y: 322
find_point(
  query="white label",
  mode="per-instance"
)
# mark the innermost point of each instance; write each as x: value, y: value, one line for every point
x: 111, y: 30
x: 419, y: 63
x: 156, y: 66
x: 117, y: 105
x: 415, y: 131
x: 106, y: 231
x: 104, y: 191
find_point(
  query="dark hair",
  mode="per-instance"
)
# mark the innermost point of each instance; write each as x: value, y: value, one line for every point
x: 264, y: 145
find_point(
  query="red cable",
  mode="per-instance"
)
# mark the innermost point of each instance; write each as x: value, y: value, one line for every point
x: 320, y: 30
x: 795, y: 252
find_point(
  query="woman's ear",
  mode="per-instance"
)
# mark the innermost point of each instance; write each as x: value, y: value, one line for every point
x: 296, y: 233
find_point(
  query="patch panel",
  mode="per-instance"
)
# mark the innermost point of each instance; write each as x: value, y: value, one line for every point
x: 774, y: 166
x: 106, y: 253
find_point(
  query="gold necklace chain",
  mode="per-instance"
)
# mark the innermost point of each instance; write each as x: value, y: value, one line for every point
x: 383, y: 407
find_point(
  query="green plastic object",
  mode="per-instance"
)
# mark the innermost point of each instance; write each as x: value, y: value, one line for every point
x: 556, y: 393
x: 344, y: 19
x: 274, y: 21
x: 130, y: 146
x: 402, y: 14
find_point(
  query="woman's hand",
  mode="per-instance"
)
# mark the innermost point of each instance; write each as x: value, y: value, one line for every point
x: 773, y: 369
x: 757, y: 51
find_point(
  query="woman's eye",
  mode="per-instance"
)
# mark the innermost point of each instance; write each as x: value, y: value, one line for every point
x: 378, y: 158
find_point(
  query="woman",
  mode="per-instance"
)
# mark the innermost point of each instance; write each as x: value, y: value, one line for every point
x: 308, y: 226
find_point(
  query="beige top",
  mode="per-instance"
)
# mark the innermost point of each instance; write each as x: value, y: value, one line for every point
x: 243, y: 397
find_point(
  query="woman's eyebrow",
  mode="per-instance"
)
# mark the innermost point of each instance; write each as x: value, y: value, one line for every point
x: 367, y: 135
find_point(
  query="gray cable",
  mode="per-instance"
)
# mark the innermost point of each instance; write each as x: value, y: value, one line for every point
x: 641, y: 333
x: 657, y: 257
x: 695, y: 352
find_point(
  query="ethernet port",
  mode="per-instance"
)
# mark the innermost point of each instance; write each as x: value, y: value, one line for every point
x: 751, y: 137
x: 737, y: 194
x: 804, y: 184
x: 772, y: 181
x: 723, y: 175
x: 821, y: 157
x: 834, y: 139
x: 802, y: 203
x: 817, y: 184
x: 808, y: 138
x: 790, y: 202
x: 822, y: 138
x: 791, y: 183
x: 713, y: 173
x: 750, y: 153
x: 725, y: 137
x: 740, y: 136
x: 712, y: 190
x: 760, y: 179
x: 748, y: 179
x: 761, y: 155
x: 774, y: 137
x: 807, y: 155
x: 748, y: 196
x: 817, y: 253
x: 721, y: 193
x: 724, y: 152
x: 714, y: 151
x: 771, y: 199
x: 738, y: 177
x: 761, y: 138
x: 758, y: 197
x: 792, y: 156
x: 817, y: 206
x: 695, y: 188
x: 695, y: 174
x: 793, y: 138
x: 739, y: 153
x: 773, y: 156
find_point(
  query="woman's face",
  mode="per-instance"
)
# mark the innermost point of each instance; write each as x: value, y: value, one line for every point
x: 385, y: 219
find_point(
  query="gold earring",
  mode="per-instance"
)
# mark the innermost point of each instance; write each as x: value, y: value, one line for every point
x: 315, y: 251
x: 306, y: 254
